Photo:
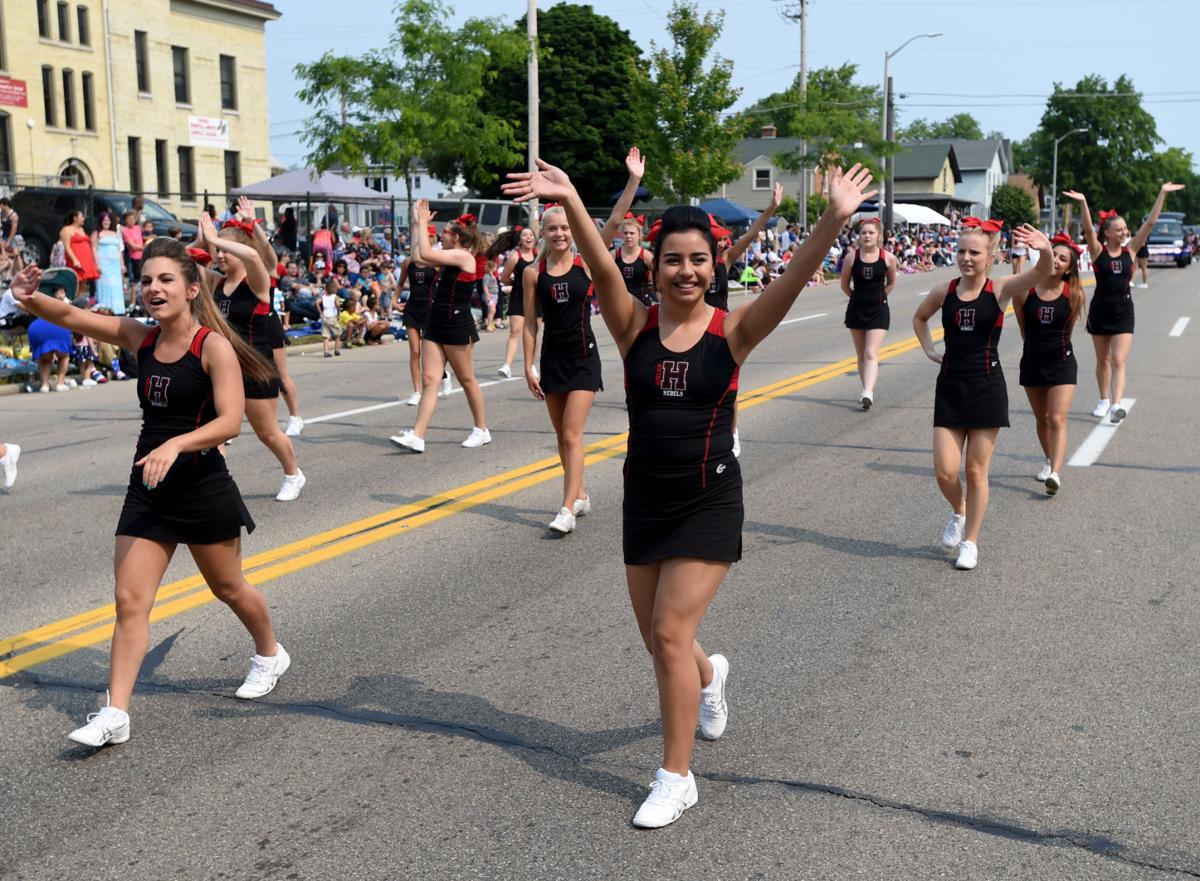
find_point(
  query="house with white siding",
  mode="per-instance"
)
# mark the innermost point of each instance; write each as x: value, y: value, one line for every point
x: 984, y: 165
x: 760, y: 172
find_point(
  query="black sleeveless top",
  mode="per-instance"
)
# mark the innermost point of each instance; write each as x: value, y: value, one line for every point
x: 636, y: 275
x: 1113, y: 275
x: 420, y: 285
x: 1048, y: 326
x: 680, y: 404
x: 717, y: 294
x: 565, y: 304
x: 517, y: 295
x: 247, y: 315
x: 176, y: 397
x: 972, y: 333
x: 869, y: 280
x: 452, y: 291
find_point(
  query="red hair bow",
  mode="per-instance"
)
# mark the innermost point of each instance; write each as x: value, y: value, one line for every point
x: 245, y: 226
x: 466, y: 220
x: 655, y: 228
x: 988, y: 226
x: 640, y: 218
x: 518, y: 228
x: 1104, y: 215
x: 431, y: 229
x: 718, y: 232
x: 1064, y: 239
x: 200, y: 256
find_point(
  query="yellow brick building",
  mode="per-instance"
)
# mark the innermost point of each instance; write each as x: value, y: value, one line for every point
x: 162, y: 97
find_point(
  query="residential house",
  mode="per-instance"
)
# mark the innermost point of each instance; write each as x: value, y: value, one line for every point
x: 760, y: 172
x: 984, y: 164
x: 929, y: 174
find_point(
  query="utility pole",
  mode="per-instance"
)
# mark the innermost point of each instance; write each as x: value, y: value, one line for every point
x: 889, y: 162
x: 804, y: 187
x: 533, y: 98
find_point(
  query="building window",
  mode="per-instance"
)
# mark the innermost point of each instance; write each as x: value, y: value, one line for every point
x: 48, y: 94
x: 762, y: 178
x: 228, y: 83
x: 82, y: 26
x: 160, y: 163
x: 68, y: 78
x: 179, y: 57
x: 64, y: 21
x: 233, y: 170
x: 6, y: 166
x: 43, y: 13
x: 3, y: 54
x: 143, y: 65
x: 135, y: 164
x: 187, y: 175
x: 89, y: 108
x: 417, y: 182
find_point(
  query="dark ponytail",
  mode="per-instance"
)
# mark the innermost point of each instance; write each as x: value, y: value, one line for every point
x: 468, y: 233
x: 681, y: 218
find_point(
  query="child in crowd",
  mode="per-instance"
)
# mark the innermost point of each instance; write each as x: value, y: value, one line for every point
x: 331, y: 327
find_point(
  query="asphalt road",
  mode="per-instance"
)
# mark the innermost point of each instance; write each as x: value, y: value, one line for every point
x: 469, y: 697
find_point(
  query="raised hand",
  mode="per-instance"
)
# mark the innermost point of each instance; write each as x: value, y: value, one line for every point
x: 1078, y: 197
x: 1031, y: 237
x: 776, y: 198
x: 848, y: 190
x: 547, y: 182
x: 25, y: 283
x: 421, y: 212
x: 208, y: 232
x: 1169, y: 187
x: 635, y: 163
x: 245, y: 208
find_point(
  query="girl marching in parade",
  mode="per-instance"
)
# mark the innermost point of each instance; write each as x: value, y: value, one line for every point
x: 420, y: 278
x: 868, y: 276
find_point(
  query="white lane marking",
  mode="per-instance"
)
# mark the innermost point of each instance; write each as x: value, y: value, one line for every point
x: 803, y: 318
x: 1089, y: 451
x: 1177, y: 330
x: 398, y: 403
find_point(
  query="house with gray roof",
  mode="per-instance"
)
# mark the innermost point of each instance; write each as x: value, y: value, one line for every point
x: 984, y: 165
x: 929, y: 174
x: 760, y: 172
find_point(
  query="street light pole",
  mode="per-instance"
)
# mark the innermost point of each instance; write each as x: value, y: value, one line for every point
x: 886, y: 213
x: 532, y: 99
x: 1054, y: 176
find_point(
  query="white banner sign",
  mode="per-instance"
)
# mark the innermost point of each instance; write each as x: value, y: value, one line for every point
x: 205, y: 131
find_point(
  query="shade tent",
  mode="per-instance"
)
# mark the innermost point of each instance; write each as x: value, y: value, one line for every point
x: 905, y: 213
x: 728, y: 212
x: 305, y: 183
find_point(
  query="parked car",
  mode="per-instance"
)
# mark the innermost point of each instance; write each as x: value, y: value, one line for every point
x: 1166, y: 244
x: 43, y: 209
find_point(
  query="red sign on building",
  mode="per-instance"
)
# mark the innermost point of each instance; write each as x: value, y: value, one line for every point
x: 13, y: 92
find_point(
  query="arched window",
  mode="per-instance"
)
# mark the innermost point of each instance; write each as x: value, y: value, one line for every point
x: 75, y: 173
x: 6, y: 148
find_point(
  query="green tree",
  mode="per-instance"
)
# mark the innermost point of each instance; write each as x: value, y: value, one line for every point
x: 591, y: 99
x: 789, y: 209
x: 960, y: 125
x: 1013, y: 205
x: 1178, y: 165
x: 816, y: 207
x: 690, y: 151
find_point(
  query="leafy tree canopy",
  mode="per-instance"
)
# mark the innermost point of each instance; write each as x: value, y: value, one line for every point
x: 960, y: 125
x: 1013, y: 205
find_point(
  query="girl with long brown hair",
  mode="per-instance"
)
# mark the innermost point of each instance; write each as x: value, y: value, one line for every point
x: 190, y: 370
x: 868, y: 276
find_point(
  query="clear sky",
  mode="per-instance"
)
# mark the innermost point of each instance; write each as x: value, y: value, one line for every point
x: 996, y: 60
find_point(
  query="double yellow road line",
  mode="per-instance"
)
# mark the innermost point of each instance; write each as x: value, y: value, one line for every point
x: 42, y: 644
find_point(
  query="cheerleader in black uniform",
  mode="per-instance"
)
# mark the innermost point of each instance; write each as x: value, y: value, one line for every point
x: 190, y: 370
x: 683, y: 489
x: 1047, y: 315
x: 242, y: 292
x: 868, y: 276
x: 450, y: 335
x: 1110, y: 315
x: 419, y: 277
x: 559, y: 288
x: 524, y: 254
x: 971, y: 402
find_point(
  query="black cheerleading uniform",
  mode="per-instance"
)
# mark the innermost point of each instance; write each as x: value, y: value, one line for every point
x: 570, y: 359
x: 637, y: 277
x: 683, y: 486
x: 971, y: 392
x: 451, y: 322
x: 516, y: 298
x: 420, y: 296
x: 868, y: 307
x: 1111, y: 311
x: 197, y: 502
x: 1048, y: 358
x: 717, y: 294
x: 250, y: 318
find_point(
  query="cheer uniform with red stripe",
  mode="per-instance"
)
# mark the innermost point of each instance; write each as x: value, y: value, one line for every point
x: 717, y: 294
x: 1048, y: 358
x: 868, y: 307
x: 570, y: 360
x: 250, y: 319
x: 1111, y: 311
x: 971, y: 392
x: 451, y: 322
x: 419, y: 305
x: 637, y: 277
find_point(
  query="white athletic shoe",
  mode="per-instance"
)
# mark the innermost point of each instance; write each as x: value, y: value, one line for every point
x: 582, y: 506
x: 968, y: 555
x: 670, y: 795
x: 1053, y: 483
x: 62, y: 387
x: 1044, y: 473
x: 264, y: 674
x: 413, y: 399
x: 9, y: 465
x: 1142, y: 286
x: 866, y: 399
x: 110, y: 725
x: 737, y: 445
x: 952, y: 534
x: 89, y: 383
x: 505, y: 371
x: 714, y: 712
x: 478, y: 437
x: 406, y: 440
x: 447, y: 386
x: 292, y: 484
x: 45, y: 390
x: 1116, y: 414
x: 564, y: 522
x: 1101, y: 408
x: 295, y: 425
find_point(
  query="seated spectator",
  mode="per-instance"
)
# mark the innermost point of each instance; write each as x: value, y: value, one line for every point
x: 51, y: 348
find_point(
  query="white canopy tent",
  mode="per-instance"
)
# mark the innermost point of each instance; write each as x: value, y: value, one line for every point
x: 906, y: 213
x: 305, y: 183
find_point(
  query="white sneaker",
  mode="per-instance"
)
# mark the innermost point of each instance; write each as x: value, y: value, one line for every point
x: 292, y: 484
x: 564, y: 522
x: 1116, y: 414
x: 968, y: 555
x: 295, y: 425
x: 737, y: 445
x: 413, y: 399
x: 582, y: 506
x: 952, y: 534
x: 866, y: 399
x: 478, y: 437
x: 505, y: 371
x: 264, y: 673
x: 44, y: 390
x: 670, y: 795
x: 406, y: 440
x: 71, y: 383
x: 9, y: 465
x: 714, y: 712
x: 110, y: 725
x: 89, y: 383
x: 447, y: 386
x: 1101, y: 408
x: 1053, y: 483
x: 62, y: 387
x: 1143, y: 286
x: 1044, y: 473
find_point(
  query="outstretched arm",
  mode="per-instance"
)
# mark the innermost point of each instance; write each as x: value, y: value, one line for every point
x: 760, y: 223
x: 124, y: 332
x: 1143, y: 234
x: 637, y: 170
x: 750, y: 325
x: 928, y: 308
x: 1085, y: 220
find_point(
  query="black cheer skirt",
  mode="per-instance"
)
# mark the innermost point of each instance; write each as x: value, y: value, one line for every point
x: 1108, y: 318
x: 977, y: 401
x: 457, y: 329
x: 862, y: 314
x: 197, y: 503
x: 678, y: 517
x: 1046, y: 370
x: 416, y: 315
x: 562, y: 375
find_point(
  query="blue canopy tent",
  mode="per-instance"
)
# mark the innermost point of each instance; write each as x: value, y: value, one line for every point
x: 639, y: 194
x: 728, y: 212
